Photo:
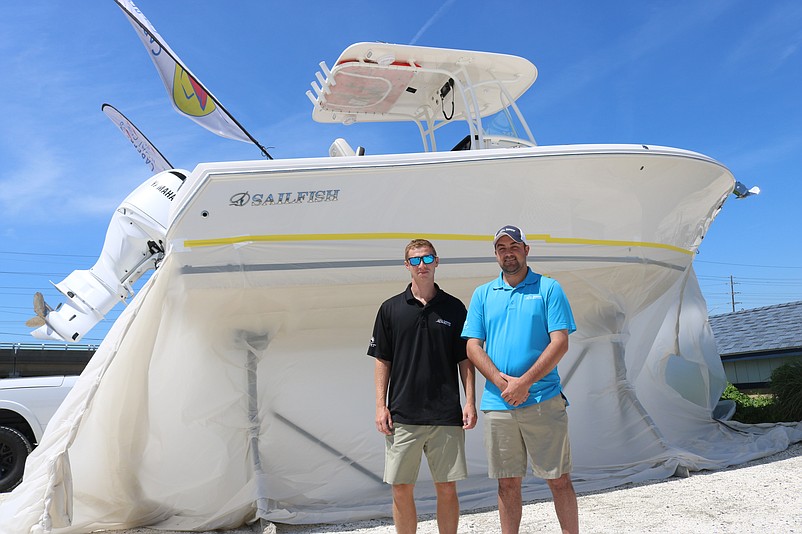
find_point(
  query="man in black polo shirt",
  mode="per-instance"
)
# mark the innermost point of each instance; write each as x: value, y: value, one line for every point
x: 418, y: 349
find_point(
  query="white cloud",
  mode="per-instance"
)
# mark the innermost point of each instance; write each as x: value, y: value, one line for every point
x: 659, y: 28
x: 759, y: 157
x: 439, y: 13
x: 772, y: 40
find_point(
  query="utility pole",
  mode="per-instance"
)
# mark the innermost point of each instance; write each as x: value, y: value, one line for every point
x: 732, y: 293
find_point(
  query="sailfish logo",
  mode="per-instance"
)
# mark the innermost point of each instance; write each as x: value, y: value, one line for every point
x: 189, y: 96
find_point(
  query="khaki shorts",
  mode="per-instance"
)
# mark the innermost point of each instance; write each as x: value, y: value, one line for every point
x: 540, y: 429
x: 444, y: 447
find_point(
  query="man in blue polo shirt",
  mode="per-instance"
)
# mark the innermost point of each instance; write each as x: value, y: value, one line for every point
x: 517, y: 330
x: 419, y: 360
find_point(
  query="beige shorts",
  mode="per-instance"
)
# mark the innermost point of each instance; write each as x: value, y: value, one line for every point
x: 540, y: 429
x: 444, y: 447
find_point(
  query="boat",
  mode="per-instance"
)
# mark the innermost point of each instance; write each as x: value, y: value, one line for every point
x: 236, y: 387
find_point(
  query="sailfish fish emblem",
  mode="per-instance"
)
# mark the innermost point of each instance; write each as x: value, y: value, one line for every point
x: 189, y: 96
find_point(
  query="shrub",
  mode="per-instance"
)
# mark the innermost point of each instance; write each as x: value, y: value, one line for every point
x: 756, y: 409
x: 734, y: 394
x: 786, y: 385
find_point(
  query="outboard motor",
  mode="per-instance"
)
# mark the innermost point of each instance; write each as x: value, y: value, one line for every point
x: 134, y: 244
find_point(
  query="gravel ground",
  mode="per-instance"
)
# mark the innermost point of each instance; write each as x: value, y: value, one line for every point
x: 762, y: 496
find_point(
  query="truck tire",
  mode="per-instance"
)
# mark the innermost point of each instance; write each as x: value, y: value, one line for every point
x: 14, y: 449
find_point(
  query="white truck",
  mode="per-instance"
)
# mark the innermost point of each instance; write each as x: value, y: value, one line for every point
x: 26, y: 406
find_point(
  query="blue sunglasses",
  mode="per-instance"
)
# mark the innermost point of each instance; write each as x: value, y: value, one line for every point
x: 415, y: 261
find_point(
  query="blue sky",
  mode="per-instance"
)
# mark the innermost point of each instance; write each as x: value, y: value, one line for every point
x: 723, y: 78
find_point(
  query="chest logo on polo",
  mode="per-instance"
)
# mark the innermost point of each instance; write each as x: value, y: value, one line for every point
x: 532, y: 297
x: 443, y: 321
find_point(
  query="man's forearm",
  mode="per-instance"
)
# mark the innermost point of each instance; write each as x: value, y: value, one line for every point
x: 483, y: 363
x: 467, y: 373
x: 549, y: 358
x: 381, y: 376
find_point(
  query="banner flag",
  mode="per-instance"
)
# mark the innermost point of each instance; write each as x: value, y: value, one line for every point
x: 150, y: 154
x: 188, y: 96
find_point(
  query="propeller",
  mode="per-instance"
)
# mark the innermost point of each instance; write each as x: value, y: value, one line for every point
x: 41, y: 309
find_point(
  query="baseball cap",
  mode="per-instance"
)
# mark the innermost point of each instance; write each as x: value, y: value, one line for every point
x: 513, y: 232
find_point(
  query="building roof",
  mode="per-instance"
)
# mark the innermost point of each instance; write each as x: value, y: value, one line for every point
x: 770, y: 328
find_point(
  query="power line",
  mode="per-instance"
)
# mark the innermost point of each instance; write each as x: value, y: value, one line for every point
x: 29, y: 273
x: 750, y: 265
x: 720, y: 291
x: 92, y: 340
x: 792, y: 281
x: 53, y: 254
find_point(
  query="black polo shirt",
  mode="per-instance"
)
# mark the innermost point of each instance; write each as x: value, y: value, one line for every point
x: 423, y: 345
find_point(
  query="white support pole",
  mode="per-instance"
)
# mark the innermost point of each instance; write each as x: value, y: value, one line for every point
x: 256, y: 343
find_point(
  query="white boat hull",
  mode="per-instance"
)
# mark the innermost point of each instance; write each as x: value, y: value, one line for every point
x: 624, y: 203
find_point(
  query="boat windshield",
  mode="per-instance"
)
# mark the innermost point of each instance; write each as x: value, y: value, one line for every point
x: 503, y: 123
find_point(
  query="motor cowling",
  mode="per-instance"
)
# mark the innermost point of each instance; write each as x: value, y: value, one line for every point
x: 134, y: 244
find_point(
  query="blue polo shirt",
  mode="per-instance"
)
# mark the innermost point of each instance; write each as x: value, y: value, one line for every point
x: 514, y: 323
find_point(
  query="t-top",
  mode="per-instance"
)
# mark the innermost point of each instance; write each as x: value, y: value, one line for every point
x: 424, y: 346
x: 514, y: 323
